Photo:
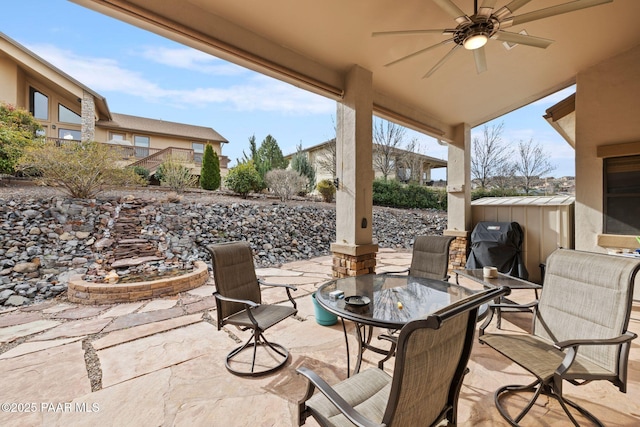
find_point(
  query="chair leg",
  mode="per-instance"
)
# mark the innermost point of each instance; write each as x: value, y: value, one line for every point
x: 538, y: 389
x: 390, y: 354
x: 257, y: 340
x: 535, y: 387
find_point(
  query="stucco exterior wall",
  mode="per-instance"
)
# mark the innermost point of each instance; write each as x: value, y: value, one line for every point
x: 607, y: 112
x: 8, y: 77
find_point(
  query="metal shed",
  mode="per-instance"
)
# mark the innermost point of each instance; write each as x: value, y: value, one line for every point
x: 547, y: 221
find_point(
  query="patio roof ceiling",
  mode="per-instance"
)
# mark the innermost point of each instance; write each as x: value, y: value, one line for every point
x: 312, y: 44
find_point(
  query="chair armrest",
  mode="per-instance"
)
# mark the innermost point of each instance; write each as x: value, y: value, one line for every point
x: 247, y: 302
x: 390, y: 338
x: 406, y: 270
x: 572, y: 346
x: 288, y: 288
x: 527, y: 306
x: 491, y: 310
x: 281, y: 285
x: 342, y: 405
x: 627, y: 336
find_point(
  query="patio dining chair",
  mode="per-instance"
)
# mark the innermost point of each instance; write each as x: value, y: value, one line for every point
x: 430, y: 257
x: 239, y: 303
x: 430, y: 365
x: 579, y: 330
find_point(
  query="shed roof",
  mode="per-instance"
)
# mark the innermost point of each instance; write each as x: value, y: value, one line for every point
x: 525, y: 200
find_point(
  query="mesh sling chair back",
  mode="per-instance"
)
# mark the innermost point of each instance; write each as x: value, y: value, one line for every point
x: 430, y: 257
x: 579, y: 331
x: 239, y: 303
x: 430, y: 365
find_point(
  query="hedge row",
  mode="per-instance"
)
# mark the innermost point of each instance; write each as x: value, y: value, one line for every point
x: 394, y: 194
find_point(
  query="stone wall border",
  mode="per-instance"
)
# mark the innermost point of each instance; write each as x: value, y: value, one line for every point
x: 83, y: 292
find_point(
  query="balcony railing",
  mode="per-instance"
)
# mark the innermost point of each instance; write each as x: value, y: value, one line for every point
x: 148, y: 157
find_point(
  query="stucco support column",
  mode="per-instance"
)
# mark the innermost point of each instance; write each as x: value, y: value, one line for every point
x: 459, y: 219
x: 88, y: 126
x: 353, y: 251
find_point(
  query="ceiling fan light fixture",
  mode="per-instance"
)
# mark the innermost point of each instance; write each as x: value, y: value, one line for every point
x: 475, y: 41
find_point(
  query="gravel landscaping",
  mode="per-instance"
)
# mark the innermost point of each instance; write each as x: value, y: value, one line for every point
x: 45, y: 236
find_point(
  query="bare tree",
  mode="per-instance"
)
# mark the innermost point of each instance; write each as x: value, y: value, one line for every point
x: 491, y: 156
x: 504, y: 177
x: 387, y: 139
x: 412, y: 160
x: 531, y: 163
x: 327, y: 159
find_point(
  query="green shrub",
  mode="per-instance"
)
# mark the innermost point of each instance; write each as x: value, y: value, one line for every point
x: 327, y: 190
x: 210, y: 172
x: 82, y: 170
x: 142, y: 173
x: 17, y: 132
x: 174, y: 174
x: 395, y: 194
x: 243, y: 179
x: 285, y: 183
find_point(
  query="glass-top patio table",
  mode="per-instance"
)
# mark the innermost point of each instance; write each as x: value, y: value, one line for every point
x: 501, y: 279
x: 393, y: 300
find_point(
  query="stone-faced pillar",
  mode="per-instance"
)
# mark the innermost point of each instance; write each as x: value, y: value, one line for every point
x: 354, y: 252
x: 88, y: 126
x: 459, y: 220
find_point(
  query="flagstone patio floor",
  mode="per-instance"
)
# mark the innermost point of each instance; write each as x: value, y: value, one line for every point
x: 161, y: 363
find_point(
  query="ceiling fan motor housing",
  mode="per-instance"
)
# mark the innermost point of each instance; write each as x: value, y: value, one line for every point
x: 479, y: 26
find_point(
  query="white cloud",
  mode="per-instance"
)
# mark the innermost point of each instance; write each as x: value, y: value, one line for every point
x: 190, y: 59
x: 99, y: 74
x: 253, y: 92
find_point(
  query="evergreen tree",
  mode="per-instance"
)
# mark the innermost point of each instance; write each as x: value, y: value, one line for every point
x: 300, y: 163
x: 270, y: 156
x: 210, y: 172
x: 217, y: 179
x: 253, y: 151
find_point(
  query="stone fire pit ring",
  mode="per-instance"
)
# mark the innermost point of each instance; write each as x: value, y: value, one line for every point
x: 83, y: 292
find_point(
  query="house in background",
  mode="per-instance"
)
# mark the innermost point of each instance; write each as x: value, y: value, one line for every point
x: 322, y: 156
x: 69, y: 110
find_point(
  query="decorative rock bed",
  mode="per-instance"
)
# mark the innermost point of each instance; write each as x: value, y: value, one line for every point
x: 84, y: 292
x: 46, y: 238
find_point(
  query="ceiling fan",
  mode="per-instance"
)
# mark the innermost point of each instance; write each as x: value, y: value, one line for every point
x: 473, y: 32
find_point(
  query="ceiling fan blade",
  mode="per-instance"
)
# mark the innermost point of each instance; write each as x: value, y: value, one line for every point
x: 556, y: 10
x: 486, y: 7
x: 418, y: 52
x: 441, y: 62
x: 409, y: 32
x: 508, y: 10
x: 454, y: 11
x: 526, y: 40
x: 481, y: 60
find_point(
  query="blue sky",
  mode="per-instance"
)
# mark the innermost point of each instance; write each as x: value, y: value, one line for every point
x: 142, y: 74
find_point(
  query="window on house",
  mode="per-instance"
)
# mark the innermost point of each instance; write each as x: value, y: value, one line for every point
x: 198, y: 152
x: 65, y: 115
x: 69, y: 134
x: 38, y: 104
x: 113, y: 136
x: 141, y: 144
x: 622, y: 195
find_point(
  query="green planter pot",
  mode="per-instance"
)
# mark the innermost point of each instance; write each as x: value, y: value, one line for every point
x: 323, y: 317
